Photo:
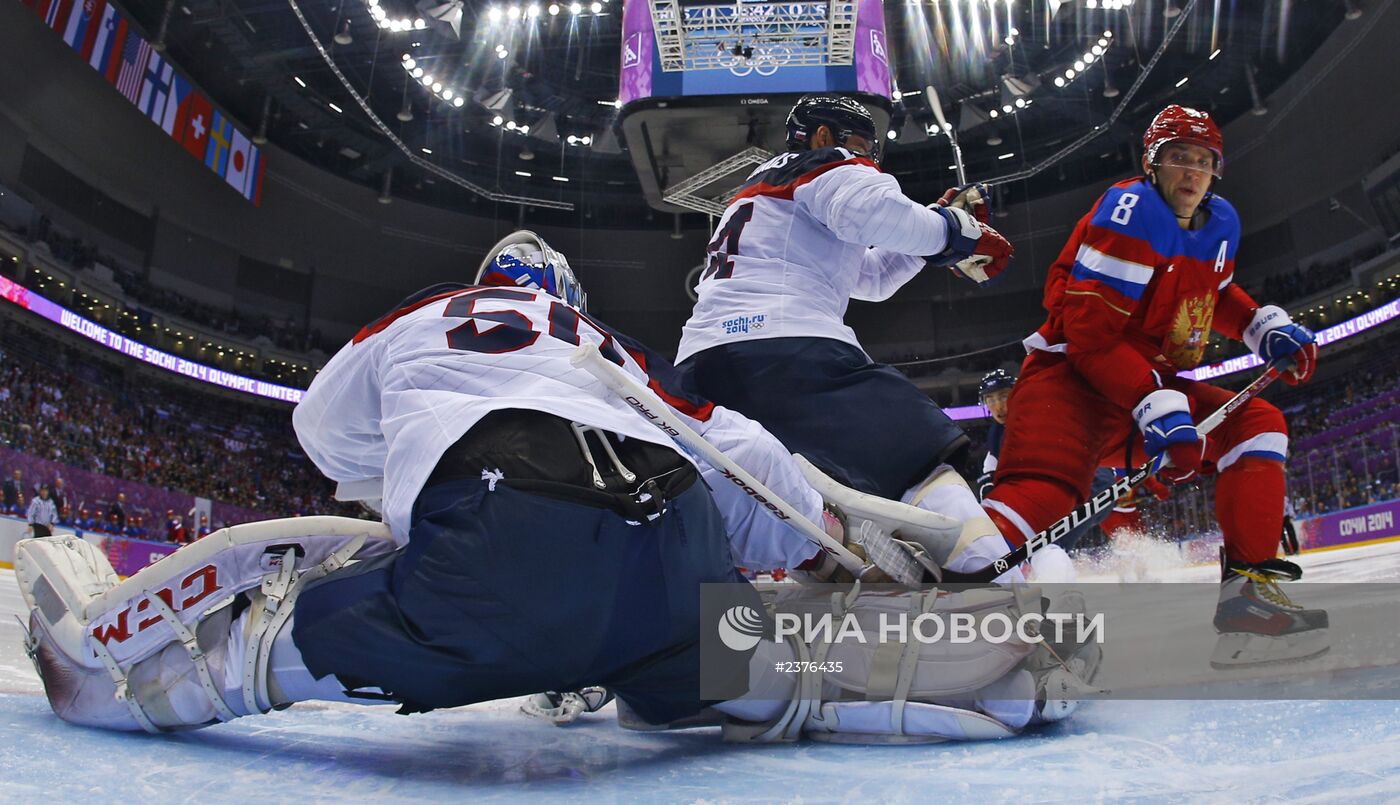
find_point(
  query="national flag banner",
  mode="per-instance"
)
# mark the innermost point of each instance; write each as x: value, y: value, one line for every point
x: 56, y: 17
x: 104, y: 40
x: 243, y: 162
x: 155, y: 87
x: 192, y: 122
x: 103, y: 36
x: 175, y: 100
x: 94, y: 30
x: 112, y: 62
x: 132, y: 69
x: 255, y: 194
x: 75, y: 32
x: 220, y: 137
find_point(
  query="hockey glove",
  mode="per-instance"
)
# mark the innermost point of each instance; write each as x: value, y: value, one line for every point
x: 1156, y: 488
x: 970, y: 198
x: 1273, y: 336
x: 1169, y: 434
x: 974, y: 251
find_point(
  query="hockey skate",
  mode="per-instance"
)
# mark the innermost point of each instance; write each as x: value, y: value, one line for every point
x: 1258, y: 623
x: 185, y: 642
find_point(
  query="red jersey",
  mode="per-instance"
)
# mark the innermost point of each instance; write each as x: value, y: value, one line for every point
x: 1133, y: 294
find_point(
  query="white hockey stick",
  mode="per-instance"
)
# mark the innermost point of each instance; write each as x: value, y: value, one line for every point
x: 655, y: 411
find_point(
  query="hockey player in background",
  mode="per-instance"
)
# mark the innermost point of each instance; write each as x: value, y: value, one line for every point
x: 808, y: 231
x: 993, y: 391
x: 540, y: 536
x: 1132, y: 299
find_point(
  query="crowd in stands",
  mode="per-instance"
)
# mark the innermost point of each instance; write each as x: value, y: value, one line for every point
x: 1284, y: 289
x: 59, y: 405
x: 286, y: 333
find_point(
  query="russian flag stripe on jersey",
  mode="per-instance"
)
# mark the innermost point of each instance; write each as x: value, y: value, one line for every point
x: 1124, y: 276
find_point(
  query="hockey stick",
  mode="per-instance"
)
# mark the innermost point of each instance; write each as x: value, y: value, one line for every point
x: 650, y: 407
x: 1105, y: 498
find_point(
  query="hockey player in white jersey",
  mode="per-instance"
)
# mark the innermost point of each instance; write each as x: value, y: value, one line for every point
x: 538, y: 535
x: 810, y: 230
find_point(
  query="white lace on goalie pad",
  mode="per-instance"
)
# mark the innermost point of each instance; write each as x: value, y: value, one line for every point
x: 165, y: 602
x: 901, y: 692
x: 899, y: 532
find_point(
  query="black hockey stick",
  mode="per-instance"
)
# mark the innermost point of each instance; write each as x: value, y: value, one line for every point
x: 1106, y: 497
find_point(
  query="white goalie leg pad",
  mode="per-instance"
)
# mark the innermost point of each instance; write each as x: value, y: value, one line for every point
x: 154, y: 652
x: 979, y: 542
x: 873, y: 691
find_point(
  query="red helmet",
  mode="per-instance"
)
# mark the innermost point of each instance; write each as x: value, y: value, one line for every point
x: 1185, y: 125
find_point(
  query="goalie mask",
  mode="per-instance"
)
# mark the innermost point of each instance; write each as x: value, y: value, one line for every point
x: 522, y: 259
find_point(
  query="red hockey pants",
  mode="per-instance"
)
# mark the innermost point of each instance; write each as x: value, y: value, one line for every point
x: 1059, y: 430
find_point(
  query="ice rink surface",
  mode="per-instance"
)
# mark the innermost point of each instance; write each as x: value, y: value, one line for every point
x: 1178, y: 751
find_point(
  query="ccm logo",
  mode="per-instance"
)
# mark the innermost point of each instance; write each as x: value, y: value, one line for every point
x: 194, y: 588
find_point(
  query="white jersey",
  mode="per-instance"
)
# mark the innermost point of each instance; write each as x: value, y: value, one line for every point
x: 808, y: 232
x: 391, y: 402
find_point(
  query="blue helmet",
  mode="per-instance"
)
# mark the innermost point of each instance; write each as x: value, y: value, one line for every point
x: 995, y: 380
x: 522, y: 259
x: 842, y: 115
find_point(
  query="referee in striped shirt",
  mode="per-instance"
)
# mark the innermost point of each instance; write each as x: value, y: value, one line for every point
x: 42, y: 513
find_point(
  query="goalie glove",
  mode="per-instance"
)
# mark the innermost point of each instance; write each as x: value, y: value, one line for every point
x: 1273, y: 336
x: 974, y: 250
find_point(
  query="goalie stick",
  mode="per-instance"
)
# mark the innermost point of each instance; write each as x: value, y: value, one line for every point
x: 1105, y: 498
x: 899, y: 564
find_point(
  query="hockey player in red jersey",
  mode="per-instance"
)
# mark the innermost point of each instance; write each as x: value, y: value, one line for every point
x: 1131, y: 301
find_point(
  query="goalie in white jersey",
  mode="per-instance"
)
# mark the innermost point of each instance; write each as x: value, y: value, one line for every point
x: 538, y: 535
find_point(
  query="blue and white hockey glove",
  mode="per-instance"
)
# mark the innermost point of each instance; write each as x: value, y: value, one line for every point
x: 1169, y: 434
x: 1273, y: 336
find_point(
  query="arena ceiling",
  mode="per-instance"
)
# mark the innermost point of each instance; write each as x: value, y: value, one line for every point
x: 526, y: 99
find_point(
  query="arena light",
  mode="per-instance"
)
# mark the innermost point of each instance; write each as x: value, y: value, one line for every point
x: 300, y: 83
x: 561, y: 178
x: 596, y: 7
x: 458, y: 101
x: 575, y: 9
x: 525, y: 174
x: 493, y: 14
x: 553, y: 9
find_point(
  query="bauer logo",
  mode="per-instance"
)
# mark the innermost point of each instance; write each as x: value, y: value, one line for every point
x: 740, y: 628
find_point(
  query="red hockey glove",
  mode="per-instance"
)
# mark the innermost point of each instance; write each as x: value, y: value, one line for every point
x: 1156, y: 488
x: 969, y: 197
x: 975, y: 250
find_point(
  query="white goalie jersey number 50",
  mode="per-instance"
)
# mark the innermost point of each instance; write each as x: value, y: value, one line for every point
x: 514, y: 329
